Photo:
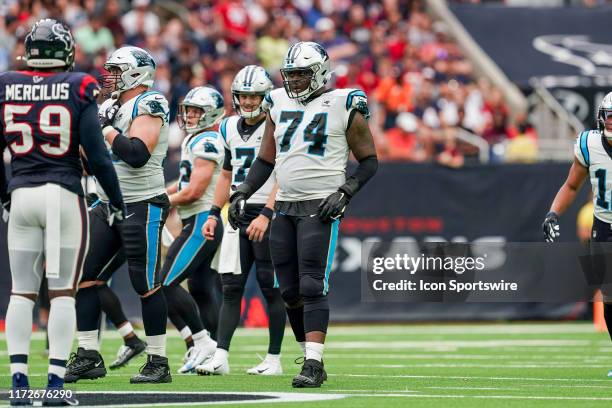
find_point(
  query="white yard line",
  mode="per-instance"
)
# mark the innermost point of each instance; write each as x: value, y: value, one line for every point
x: 471, y: 377
x: 518, y: 397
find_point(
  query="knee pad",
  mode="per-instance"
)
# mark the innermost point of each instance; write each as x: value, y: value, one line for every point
x: 311, y: 286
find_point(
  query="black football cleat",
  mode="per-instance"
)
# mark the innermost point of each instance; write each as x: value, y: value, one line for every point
x: 84, y: 365
x: 128, y: 352
x: 155, y: 370
x: 312, y: 376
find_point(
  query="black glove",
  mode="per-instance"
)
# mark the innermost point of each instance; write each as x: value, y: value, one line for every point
x: 92, y: 200
x: 551, y: 227
x: 107, y: 118
x: 333, y: 206
x: 235, y: 214
x: 6, y: 208
x: 116, y: 214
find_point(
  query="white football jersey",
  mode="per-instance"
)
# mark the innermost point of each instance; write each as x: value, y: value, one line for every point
x: 593, y: 152
x: 138, y: 184
x: 244, y: 149
x: 208, y: 146
x: 311, y: 146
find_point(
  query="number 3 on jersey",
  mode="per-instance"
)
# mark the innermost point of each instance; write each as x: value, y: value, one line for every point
x: 53, y: 120
x: 314, y: 132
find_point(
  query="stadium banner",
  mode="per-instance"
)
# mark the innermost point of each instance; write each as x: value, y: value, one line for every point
x: 493, y: 204
x: 528, y: 42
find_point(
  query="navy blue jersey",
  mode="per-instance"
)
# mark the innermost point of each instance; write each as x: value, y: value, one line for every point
x: 40, y: 114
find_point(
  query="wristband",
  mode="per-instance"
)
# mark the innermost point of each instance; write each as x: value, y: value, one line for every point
x: 215, y: 211
x: 267, y: 212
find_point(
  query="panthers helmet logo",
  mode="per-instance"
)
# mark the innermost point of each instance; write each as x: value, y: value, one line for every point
x: 143, y: 59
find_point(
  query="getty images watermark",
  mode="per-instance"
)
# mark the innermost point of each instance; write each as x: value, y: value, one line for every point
x: 484, y: 272
x: 413, y: 265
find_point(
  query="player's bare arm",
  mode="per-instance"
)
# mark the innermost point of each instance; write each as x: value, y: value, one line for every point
x: 257, y: 228
x: 569, y: 190
x: 564, y: 198
x: 201, y: 174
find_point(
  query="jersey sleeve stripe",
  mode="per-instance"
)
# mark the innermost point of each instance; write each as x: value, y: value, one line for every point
x: 351, y: 95
x: 584, y: 148
x: 223, y: 129
x: 85, y: 82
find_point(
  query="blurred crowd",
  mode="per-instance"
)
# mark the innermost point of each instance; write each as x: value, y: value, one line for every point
x: 426, y: 103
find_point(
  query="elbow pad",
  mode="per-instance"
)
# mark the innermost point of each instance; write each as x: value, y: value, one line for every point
x: 131, y: 150
x: 366, y: 169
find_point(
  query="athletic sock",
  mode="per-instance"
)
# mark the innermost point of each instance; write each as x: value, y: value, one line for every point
x: 156, y: 345
x: 19, y: 332
x: 314, y: 351
x: 88, y: 340
x: 61, y: 326
x: 125, y: 329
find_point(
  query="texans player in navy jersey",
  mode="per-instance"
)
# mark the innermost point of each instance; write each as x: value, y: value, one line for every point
x: 46, y: 114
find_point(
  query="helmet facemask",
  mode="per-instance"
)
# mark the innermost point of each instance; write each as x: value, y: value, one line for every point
x: 602, y: 115
x: 113, y: 83
x: 300, y: 83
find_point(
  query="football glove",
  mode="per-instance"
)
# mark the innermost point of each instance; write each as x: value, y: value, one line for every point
x: 550, y: 227
x: 107, y: 117
x: 235, y: 214
x: 116, y: 214
x: 92, y: 200
x: 6, y: 208
x: 333, y: 206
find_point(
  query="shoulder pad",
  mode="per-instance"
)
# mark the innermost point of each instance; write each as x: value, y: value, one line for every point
x: 151, y: 103
x: 205, y: 144
x: 357, y: 99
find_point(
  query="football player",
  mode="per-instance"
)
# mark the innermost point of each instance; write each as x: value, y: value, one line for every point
x: 191, y: 253
x: 242, y: 134
x: 47, y: 114
x: 135, y: 127
x: 592, y: 159
x: 310, y: 130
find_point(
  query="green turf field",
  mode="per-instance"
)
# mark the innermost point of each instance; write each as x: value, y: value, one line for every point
x: 471, y: 365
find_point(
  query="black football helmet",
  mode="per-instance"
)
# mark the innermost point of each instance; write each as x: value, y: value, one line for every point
x: 49, y: 45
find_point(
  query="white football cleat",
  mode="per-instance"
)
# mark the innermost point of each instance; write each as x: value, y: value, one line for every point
x: 271, y: 365
x: 197, y: 355
x: 215, y: 366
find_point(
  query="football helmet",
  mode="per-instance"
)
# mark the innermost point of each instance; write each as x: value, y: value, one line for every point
x: 209, y: 100
x: 252, y: 80
x: 49, y: 45
x: 306, y: 69
x: 604, y: 110
x: 136, y: 67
